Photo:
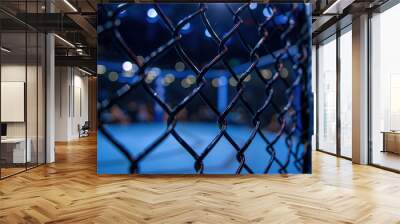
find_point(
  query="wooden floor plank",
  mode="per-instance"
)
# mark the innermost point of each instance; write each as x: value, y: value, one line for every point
x: 70, y: 191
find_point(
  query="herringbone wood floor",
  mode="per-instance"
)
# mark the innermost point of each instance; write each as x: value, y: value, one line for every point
x: 70, y: 191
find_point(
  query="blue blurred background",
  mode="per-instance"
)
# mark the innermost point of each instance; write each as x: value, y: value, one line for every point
x: 137, y: 120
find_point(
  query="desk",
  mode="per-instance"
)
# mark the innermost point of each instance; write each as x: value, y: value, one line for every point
x: 16, y: 147
x: 391, y: 141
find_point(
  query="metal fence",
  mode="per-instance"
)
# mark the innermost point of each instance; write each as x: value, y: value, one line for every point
x: 294, y: 117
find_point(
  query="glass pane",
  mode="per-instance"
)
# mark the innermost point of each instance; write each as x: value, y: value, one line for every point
x: 346, y: 94
x: 41, y: 98
x: 13, y: 86
x: 32, y: 86
x: 385, y: 85
x: 31, y: 97
x: 314, y: 90
x: 327, y: 97
x: 22, y: 88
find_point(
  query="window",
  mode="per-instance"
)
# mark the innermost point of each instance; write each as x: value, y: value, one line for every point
x: 385, y: 89
x: 327, y: 96
x: 346, y: 93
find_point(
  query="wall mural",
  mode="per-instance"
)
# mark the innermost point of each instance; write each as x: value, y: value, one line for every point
x: 204, y: 88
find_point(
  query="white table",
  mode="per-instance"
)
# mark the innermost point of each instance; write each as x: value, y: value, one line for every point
x: 19, y: 153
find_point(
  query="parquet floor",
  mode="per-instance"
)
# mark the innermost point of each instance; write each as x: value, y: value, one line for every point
x: 10, y: 171
x: 70, y: 191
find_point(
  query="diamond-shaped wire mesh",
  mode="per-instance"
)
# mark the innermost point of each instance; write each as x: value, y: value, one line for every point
x: 284, y: 26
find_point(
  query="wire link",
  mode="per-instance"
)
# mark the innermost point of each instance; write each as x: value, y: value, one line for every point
x: 293, y: 119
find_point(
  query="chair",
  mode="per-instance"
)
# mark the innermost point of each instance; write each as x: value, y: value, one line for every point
x: 84, y: 129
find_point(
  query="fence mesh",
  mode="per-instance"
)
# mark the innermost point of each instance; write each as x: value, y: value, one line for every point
x: 292, y: 28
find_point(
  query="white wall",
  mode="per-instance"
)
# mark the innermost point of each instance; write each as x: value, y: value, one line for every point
x: 14, y: 72
x: 80, y: 110
x: 61, y: 103
x: 71, y: 102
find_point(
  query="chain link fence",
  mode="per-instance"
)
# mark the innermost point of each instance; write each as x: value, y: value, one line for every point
x: 283, y: 34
